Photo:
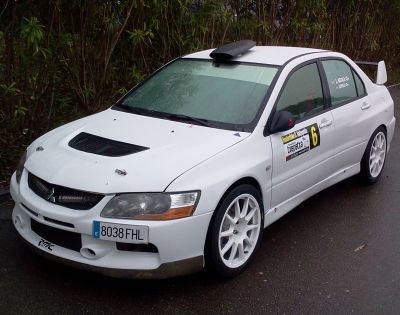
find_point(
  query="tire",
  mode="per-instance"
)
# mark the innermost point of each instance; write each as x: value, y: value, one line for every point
x: 374, y: 157
x: 234, y: 236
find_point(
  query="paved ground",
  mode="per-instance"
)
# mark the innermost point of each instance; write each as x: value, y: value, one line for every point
x: 307, y: 264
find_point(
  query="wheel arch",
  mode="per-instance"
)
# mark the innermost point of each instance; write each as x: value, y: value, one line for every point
x: 371, y: 132
x: 242, y: 181
x: 383, y: 126
x: 365, y: 175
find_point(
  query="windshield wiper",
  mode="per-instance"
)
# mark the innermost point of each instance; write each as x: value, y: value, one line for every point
x: 153, y: 113
x: 125, y: 108
x: 182, y: 117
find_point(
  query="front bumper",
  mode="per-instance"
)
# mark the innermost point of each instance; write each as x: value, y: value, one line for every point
x: 179, y: 243
x: 166, y: 270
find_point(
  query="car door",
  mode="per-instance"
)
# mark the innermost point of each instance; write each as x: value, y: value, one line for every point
x: 301, y: 155
x: 351, y: 110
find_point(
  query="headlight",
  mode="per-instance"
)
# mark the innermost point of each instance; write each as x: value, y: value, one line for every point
x: 151, y: 206
x: 20, y: 167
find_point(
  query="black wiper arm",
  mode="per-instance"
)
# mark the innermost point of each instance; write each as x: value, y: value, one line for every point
x: 130, y: 109
x: 120, y: 107
x: 179, y: 117
x: 124, y: 108
x: 202, y: 122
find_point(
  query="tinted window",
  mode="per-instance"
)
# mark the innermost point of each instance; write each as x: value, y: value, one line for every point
x: 359, y: 84
x: 340, y: 81
x: 302, y: 95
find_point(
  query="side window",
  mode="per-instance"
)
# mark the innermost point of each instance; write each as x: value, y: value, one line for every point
x: 302, y: 95
x: 340, y: 81
x: 359, y: 84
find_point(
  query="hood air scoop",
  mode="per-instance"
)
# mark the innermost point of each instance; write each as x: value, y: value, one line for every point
x: 103, y: 146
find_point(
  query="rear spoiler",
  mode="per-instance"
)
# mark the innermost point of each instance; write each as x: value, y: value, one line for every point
x: 381, y: 74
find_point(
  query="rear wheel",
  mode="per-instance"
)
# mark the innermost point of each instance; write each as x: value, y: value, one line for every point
x: 374, y: 157
x: 236, y: 231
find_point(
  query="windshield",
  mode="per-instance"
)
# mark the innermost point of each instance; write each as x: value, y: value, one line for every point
x: 220, y: 95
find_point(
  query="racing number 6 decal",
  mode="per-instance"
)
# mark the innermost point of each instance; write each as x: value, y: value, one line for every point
x: 314, y: 136
x: 301, y: 141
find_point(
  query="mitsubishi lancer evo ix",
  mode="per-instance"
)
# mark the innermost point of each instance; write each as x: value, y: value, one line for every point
x: 187, y: 169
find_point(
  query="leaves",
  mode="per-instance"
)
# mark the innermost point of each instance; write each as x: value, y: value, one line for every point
x: 19, y: 112
x: 32, y: 32
x: 141, y: 36
x: 10, y: 89
x: 63, y: 59
x: 134, y: 74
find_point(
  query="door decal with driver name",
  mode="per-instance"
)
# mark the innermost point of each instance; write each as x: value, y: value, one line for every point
x: 301, y: 141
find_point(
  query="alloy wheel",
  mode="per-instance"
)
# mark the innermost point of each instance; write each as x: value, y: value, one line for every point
x: 239, y: 230
x: 377, y: 154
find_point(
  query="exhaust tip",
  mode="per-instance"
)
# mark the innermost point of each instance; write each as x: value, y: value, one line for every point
x: 88, y: 253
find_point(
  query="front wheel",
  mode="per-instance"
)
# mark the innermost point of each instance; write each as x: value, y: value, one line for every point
x: 235, y: 231
x: 374, y: 157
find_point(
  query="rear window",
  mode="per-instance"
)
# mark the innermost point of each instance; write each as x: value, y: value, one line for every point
x: 359, y: 84
x: 341, y: 83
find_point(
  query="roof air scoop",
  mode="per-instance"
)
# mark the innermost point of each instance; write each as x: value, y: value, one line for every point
x: 232, y: 50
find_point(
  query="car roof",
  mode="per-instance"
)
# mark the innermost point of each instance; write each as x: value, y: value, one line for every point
x: 272, y: 55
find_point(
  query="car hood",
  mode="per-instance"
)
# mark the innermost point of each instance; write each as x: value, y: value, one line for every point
x: 174, y: 148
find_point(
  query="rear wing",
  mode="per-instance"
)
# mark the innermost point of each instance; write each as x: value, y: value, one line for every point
x: 381, y: 74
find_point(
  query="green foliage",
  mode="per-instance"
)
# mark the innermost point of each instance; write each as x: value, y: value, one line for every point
x: 9, y: 89
x: 134, y: 74
x: 63, y: 59
x: 19, y: 112
x: 141, y: 36
x: 32, y: 32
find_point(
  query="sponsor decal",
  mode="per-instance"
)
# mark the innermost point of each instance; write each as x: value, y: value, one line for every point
x: 341, y: 82
x: 46, y: 244
x: 301, y: 141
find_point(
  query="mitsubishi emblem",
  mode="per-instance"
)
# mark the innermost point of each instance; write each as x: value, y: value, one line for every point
x: 50, y: 196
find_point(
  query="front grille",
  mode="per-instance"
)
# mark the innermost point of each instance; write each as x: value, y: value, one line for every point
x: 63, y: 196
x: 102, y: 146
x: 66, y: 239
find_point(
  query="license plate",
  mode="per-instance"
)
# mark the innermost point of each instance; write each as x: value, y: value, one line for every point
x: 124, y: 233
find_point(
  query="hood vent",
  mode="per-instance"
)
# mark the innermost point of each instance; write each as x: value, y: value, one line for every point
x: 103, y: 146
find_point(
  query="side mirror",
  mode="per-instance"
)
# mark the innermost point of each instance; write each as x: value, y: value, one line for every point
x: 282, y: 121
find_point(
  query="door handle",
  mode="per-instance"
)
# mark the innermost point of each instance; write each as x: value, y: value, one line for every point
x: 365, y: 106
x: 325, y: 123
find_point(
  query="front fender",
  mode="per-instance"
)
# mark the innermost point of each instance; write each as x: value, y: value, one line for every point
x: 249, y: 158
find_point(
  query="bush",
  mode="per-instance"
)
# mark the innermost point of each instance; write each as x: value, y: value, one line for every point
x: 63, y: 59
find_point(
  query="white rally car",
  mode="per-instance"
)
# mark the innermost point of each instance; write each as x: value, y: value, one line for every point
x: 187, y: 169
